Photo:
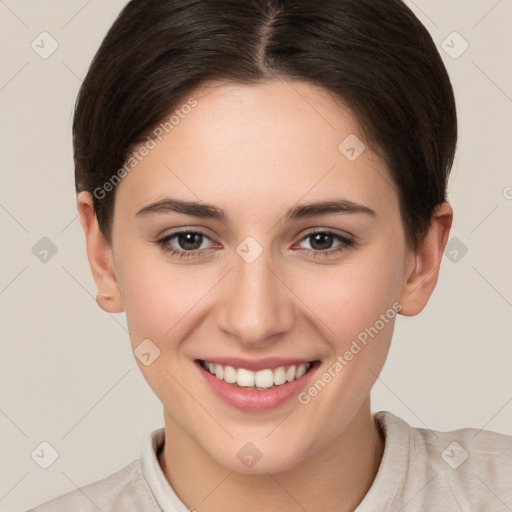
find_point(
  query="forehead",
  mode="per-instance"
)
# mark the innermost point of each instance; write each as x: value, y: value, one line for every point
x: 271, y: 143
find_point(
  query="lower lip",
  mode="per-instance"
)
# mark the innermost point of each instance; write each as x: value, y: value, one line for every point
x: 255, y: 400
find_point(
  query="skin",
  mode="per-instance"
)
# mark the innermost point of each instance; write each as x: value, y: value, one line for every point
x: 256, y: 151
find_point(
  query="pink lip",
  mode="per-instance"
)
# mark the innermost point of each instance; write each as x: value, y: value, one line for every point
x: 255, y: 400
x: 256, y: 364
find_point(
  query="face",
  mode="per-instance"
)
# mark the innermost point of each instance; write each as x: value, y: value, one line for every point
x: 253, y: 279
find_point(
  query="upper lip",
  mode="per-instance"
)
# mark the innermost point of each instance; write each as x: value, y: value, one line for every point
x: 257, y: 364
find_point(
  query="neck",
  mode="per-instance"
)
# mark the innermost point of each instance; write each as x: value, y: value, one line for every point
x: 334, y: 478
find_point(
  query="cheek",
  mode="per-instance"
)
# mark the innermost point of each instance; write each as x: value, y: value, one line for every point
x: 160, y: 302
x: 342, y: 299
x: 351, y: 297
x: 163, y: 301
x: 155, y: 300
x: 145, y: 302
x: 357, y: 307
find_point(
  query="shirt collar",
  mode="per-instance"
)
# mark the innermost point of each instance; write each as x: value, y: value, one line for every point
x: 160, y: 487
x: 393, y: 467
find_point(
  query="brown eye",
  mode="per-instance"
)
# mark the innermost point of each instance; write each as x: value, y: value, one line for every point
x: 321, y: 241
x: 184, y: 243
x: 326, y: 242
x: 189, y: 241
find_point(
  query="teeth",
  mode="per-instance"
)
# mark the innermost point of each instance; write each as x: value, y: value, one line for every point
x: 279, y: 376
x: 290, y: 373
x: 301, y: 370
x: 229, y: 374
x: 263, y: 379
x: 245, y: 377
x: 219, y: 371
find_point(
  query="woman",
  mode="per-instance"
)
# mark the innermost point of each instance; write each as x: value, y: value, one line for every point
x: 262, y: 188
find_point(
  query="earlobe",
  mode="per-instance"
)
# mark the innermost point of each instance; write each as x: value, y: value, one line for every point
x: 423, y: 271
x: 99, y: 254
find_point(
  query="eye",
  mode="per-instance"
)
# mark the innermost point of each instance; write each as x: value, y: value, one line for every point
x: 185, y: 243
x: 190, y: 244
x: 321, y: 243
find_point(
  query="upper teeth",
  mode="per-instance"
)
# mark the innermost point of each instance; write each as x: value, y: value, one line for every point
x: 261, y: 379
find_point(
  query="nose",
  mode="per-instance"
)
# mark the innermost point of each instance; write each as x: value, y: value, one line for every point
x: 259, y: 304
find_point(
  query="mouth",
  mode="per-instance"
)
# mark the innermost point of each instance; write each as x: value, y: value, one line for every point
x: 267, y: 378
x: 257, y: 385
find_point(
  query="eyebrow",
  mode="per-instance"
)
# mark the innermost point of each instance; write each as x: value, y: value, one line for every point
x: 208, y: 211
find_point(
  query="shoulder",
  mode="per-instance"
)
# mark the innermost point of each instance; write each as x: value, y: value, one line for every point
x: 475, y: 460
x: 123, y: 491
x: 472, y: 467
x: 465, y: 450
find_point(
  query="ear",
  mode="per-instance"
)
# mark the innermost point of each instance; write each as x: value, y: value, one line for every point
x: 100, y: 256
x: 424, y: 265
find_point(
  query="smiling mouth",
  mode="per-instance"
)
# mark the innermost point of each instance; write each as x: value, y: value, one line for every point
x: 262, y: 379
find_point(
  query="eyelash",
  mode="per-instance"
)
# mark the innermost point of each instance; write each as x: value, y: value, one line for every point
x: 163, y: 243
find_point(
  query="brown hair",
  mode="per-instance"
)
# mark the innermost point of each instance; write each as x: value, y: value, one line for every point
x: 375, y: 56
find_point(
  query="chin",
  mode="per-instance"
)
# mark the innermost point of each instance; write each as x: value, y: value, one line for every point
x: 250, y: 460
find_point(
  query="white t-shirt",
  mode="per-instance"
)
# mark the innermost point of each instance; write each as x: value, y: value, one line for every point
x: 422, y: 470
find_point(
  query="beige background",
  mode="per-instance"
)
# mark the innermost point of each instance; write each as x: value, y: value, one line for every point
x: 67, y: 374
